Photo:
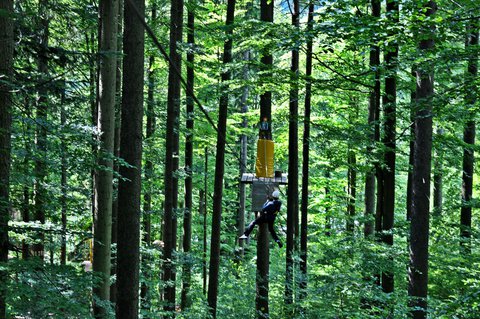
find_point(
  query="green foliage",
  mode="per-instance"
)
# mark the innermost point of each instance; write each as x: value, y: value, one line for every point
x: 342, y: 268
x: 49, y: 291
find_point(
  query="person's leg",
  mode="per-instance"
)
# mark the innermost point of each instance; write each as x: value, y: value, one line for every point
x: 250, y: 227
x: 271, y: 228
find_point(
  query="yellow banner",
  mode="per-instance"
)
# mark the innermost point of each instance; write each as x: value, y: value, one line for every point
x: 264, y: 163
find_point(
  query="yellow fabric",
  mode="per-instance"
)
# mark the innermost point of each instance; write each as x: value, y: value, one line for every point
x: 264, y: 163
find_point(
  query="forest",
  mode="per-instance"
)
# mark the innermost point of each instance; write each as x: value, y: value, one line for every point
x: 139, y: 139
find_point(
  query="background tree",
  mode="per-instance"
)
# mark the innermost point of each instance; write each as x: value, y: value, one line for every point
x: 373, y: 110
x: 469, y: 135
x: 129, y: 189
x: 41, y: 126
x: 292, y: 193
x: 187, y: 219
x: 219, y: 165
x: 6, y: 71
x: 106, y: 127
x: 149, y: 174
x: 171, y: 154
x: 419, y: 230
x: 389, y: 140
x: 306, y: 156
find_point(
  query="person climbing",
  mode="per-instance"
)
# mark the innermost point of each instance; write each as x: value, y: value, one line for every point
x: 267, y: 215
x: 265, y: 129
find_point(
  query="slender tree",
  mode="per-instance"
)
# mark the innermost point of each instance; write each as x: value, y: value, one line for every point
x: 419, y: 229
x: 373, y: 106
x: 351, y: 189
x: 438, y: 175
x: 129, y: 188
x: 187, y: 217
x: 411, y: 150
x: 389, y: 105
x: 220, y: 165
x: 171, y: 154
x: 204, y: 205
x: 41, y: 125
x: 6, y: 71
x: 116, y: 148
x: 263, y: 252
x: 469, y: 136
x: 103, y: 179
x: 292, y: 193
x: 306, y: 155
x: 63, y: 179
x: 148, y: 175
x: 247, y: 56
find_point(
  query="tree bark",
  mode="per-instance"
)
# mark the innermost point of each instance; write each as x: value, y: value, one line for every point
x: 103, y: 178
x: 41, y: 128
x: 328, y: 217
x: 187, y: 217
x: 352, y: 190
x: 171, y: 155
x: 306, y: 158
x: 63, y: 179
x: 116, y: 147
x: 389, y: 104
x: 469, y: 140
x: 411, y: 152
x: 220, y: 166
x: 438, y: 177
x: 263, y: 272
x: 129, y: 188
x: 203, y: 197
x: 6, y: 72
x: 419, y: 228
x: 148, y: 176
x: 292, y: 193
x: 373, y: 106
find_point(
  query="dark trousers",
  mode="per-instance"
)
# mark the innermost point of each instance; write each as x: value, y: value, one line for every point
x: 263, y: 218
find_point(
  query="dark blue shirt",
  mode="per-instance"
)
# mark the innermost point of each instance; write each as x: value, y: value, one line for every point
x: 272, y: 207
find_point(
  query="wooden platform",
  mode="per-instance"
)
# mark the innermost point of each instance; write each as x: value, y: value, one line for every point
x: 249, y: 178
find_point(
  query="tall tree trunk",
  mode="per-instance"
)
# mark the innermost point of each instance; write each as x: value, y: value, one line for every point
x: 373, y: 105
x: 116, y: 146
x: 419, y: 229
x: 389, y: 104
x: 243, y: 156
x: 411, y: 152
x: 6, y: 72
x: 220, y: 166
x: 263, y: 269
x: 262, y: 273
x: 187, y: 217
x: 203, y: 198
x: 247, y: 57
x: 27, y: 187
x: 292, y: 193
x: 328, y: 217
x: 171, y: 154
x: 306, y: 158
x: 129, y: 188
x: 92, y: 99
x: 103, y: 178
x: 63, y: 179
x: 469, y: 138
x: 41, y: 129
x: 438, y: 176
x: 352, y: 190
x: 148, y: 175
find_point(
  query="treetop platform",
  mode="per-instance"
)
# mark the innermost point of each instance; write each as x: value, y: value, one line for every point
x: 249, y: 178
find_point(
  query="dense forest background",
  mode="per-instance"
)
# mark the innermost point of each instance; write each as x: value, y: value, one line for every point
x: 125, y: 127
